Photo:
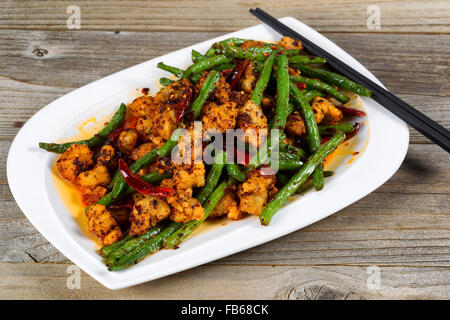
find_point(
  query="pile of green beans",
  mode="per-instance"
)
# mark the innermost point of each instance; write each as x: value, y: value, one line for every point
x: 272, y: 63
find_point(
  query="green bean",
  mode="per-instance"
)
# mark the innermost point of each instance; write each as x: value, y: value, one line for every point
x: 105, y: 251
x: 197, y: 56
x: 174, y: 70
x: 235, y: 172
x: 286, y: 155
x: 152, y: 177
x: 225, y: 66
x: 165, y: 81
x: 96, y: 140
x: 182, y: 233
x: 335, y: 79
x: 206, y: 64
x: 314, y: 84
x: 133, y: 243
x: 299, y: 178
x: 145, y: 160
x: 232, y: 41
x: 141, y: 251
x: 205, y: 92
x: 213, y: 177
x: 255, y: 53
x: 292, y: 149
x: 263, y: 80
x: 289, y: 164
x: 307, y: 60
x: 211, y: 52
x: 311, y: 94
x: 332, y: 128
x: 312, y: 131
x: 282, y: 104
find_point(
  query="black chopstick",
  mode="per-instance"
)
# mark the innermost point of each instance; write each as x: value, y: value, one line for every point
x: 413, y: 117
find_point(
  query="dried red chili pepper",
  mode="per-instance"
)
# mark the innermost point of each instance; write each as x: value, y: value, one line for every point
x: 141, y: 186
x: 352, y: 112
x: 114, y: 136
x: 325, y: 139
x: 265, y: 170
x: 236, y: 74
x: 242, y: 157
x: 301, y: 86
x: 183, y: 103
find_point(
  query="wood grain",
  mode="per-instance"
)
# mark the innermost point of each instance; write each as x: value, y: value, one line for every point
x: 48, y: 281
x: 403, y: 227
x: 217, y: 16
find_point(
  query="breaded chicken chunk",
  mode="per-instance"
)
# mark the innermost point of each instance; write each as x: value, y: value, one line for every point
x: 219, y: 118
x: 190, y: 175
x: 147, y: 211
x: 184, y: 207
x: 248, y: 79
x: 92, y: 195
x: 227, y: 206
x: 142, y: 106
x: 289, y: 43
x: 255, y: 191
x: 102, y: 224
x: 252, y: 44
x: 127, y: 141
x: 74, y: 160
x: 253, y: 122
x: 325, y: 111
x: 295, y: 124
x: 98, y: 176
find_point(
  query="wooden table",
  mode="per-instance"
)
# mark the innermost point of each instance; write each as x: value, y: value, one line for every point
x: 403, y: 228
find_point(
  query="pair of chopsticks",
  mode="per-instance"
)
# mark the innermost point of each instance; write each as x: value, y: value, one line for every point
x: 429, y: 128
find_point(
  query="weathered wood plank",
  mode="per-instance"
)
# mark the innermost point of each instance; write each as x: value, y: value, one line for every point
x: 404, y: 222
x: 49, y: 281
x: 202, y: 15
x: 28, y: 82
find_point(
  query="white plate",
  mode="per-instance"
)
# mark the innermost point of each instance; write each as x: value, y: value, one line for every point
x: 29, y: 176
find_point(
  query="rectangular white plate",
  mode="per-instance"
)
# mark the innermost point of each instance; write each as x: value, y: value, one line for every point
x: 29, y: 176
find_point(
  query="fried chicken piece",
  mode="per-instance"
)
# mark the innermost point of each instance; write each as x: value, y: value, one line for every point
x: 219, y: 118
x: 184, y: 207
x: 252, y: 44
x: 74, y: 160
x: 142, y: 106
x: 92, y: 195
x: 102, y: 224
x: 254, y: 192
x: 227, y: 206
x: 147, y: 211
x: 289, y: 43
x: 98, y: 176
x: 127, y: 141
x: 325, y: 111
x: 221, y: 91
x: 142, y: 150
x: 295, y: 124
x: 253, y: 122
x: 248, y: 79
x: 190, y: 175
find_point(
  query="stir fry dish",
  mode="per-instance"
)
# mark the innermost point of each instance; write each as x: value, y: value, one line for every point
x: 290, y: 111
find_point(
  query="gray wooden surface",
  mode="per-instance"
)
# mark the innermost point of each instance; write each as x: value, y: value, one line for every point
x: 402, y: 228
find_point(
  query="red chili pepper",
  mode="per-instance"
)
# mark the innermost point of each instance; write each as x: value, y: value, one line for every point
x: 242, y: 157
x: 352, y: 112
x: 301, y: 86
x: 184, y: 103
x: 236, y: 74
x: 325, y: 139
x: 225, y: 72
x: 141, y: 186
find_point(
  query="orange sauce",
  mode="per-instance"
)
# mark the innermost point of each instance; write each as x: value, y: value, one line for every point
x: 69, y: 194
